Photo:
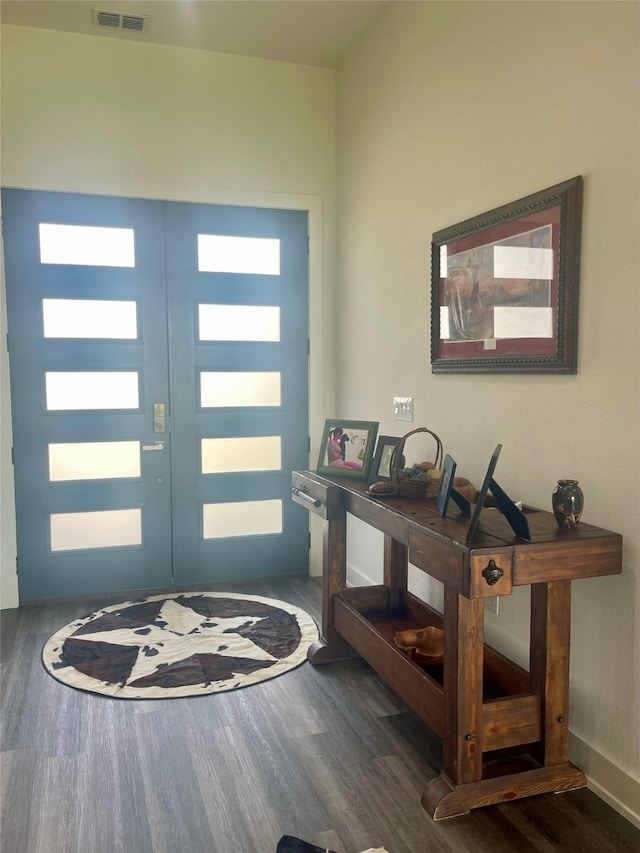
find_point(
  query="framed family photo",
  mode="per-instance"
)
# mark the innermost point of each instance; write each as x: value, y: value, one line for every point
x: 346, y: 448
x: 505, y: 287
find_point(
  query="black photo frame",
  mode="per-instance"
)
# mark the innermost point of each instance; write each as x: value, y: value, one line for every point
x: 482, y: 494
x: 446, y: 484
x: 516, y: 518
x: 380, y: 466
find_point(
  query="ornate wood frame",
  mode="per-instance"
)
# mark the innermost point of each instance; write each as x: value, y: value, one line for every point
x: 485, y: 270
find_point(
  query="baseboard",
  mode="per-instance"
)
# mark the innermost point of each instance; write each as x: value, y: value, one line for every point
x: 356, y: 577
x: 606, y: 780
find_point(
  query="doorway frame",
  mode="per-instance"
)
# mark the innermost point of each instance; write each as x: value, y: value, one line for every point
x: 320, y: 384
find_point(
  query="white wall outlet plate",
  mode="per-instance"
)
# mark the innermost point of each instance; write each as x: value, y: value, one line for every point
x: 492, y: 604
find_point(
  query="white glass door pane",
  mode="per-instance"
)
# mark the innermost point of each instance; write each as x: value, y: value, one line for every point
x: 257, y: 453
x: 87, y: 245
x: 89, y: 318
x: 80, y: 390
x: 94, y: 460
x: 238, y: 322
x: 245, y: 518
x: 239, y: 389
x: 72, y: 531
x: 251, y: 255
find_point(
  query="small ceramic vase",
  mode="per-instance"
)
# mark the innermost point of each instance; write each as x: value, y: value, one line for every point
x: 567, y: 501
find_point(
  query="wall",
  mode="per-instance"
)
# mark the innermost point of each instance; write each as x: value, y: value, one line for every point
x: 98, y: 115
x: 8, y: 577
x: 446, y: 110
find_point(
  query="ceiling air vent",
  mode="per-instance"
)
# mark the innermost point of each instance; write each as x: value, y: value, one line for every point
x: 120, y: 21
x: 133, y: 22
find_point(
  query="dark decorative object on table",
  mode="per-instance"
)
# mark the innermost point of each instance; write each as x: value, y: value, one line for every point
x: 567, y: 501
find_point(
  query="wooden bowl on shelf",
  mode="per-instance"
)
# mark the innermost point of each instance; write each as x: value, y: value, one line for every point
x: 423, y: 645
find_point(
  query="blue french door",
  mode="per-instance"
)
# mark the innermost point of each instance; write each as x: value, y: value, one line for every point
x: 158, y: 358
x: 238, y: 354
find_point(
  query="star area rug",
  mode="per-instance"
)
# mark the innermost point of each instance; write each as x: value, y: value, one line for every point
x: 184, y: 644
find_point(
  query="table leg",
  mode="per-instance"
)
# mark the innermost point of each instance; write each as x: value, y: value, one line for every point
x: 549, y: 665
x: 461, y: 787
x: 462, y: 739
x: 463, y: 664
x: 331, y: 647
x: 396, y: 567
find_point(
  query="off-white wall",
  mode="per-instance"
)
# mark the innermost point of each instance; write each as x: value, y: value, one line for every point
x: 96, y: 115
x: 8, y: 577
x: 446, y: 110
x: 113, y: 112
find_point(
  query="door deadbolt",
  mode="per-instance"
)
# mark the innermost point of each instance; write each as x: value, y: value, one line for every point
x: 159, y: 417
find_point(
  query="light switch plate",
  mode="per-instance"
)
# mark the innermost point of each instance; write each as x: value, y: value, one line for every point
x: 403, y: 408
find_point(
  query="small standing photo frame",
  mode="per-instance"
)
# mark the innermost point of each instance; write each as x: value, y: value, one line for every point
x: 516, y: 518
x: 381, y: 467
x: 446, y: 484
x: 346, y: 448
x: 482, y: 494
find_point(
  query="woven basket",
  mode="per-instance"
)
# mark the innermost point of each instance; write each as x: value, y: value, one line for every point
x: 411, y: 487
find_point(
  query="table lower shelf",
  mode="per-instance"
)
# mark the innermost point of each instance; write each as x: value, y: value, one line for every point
x: 511, y: 713
x: 509, y: 718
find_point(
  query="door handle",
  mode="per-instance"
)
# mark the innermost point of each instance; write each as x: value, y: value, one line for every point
x: 157, y: 445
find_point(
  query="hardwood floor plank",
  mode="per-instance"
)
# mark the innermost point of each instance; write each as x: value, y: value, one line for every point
x: 328, y: 754
x: 173, y: 804
x: 18, y: 772
x: 556, y: 818
x: 9, y: 621
x: 594, y: 811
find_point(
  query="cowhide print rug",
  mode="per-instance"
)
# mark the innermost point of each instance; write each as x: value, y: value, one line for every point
x: 184, y: 644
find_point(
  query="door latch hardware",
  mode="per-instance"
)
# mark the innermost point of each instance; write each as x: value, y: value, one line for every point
x: 159, y: 417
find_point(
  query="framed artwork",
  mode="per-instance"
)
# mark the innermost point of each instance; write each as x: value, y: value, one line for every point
x: 505, y: 287
x: 380, y: 468
x: 346, y: 448
x: 446, y: 482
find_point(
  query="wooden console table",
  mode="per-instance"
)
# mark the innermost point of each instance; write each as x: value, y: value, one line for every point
x: 504, y: 729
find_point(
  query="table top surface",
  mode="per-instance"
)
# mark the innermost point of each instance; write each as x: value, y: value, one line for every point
x: 493, y: 531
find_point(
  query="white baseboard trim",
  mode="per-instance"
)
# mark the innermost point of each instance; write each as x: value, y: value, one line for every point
x: 356, y: 577
x: 605, y: 779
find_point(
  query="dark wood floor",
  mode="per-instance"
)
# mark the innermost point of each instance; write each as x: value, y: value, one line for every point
x: 328, y: 754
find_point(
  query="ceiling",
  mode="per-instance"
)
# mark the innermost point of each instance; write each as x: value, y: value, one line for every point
x: 309, y: 32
